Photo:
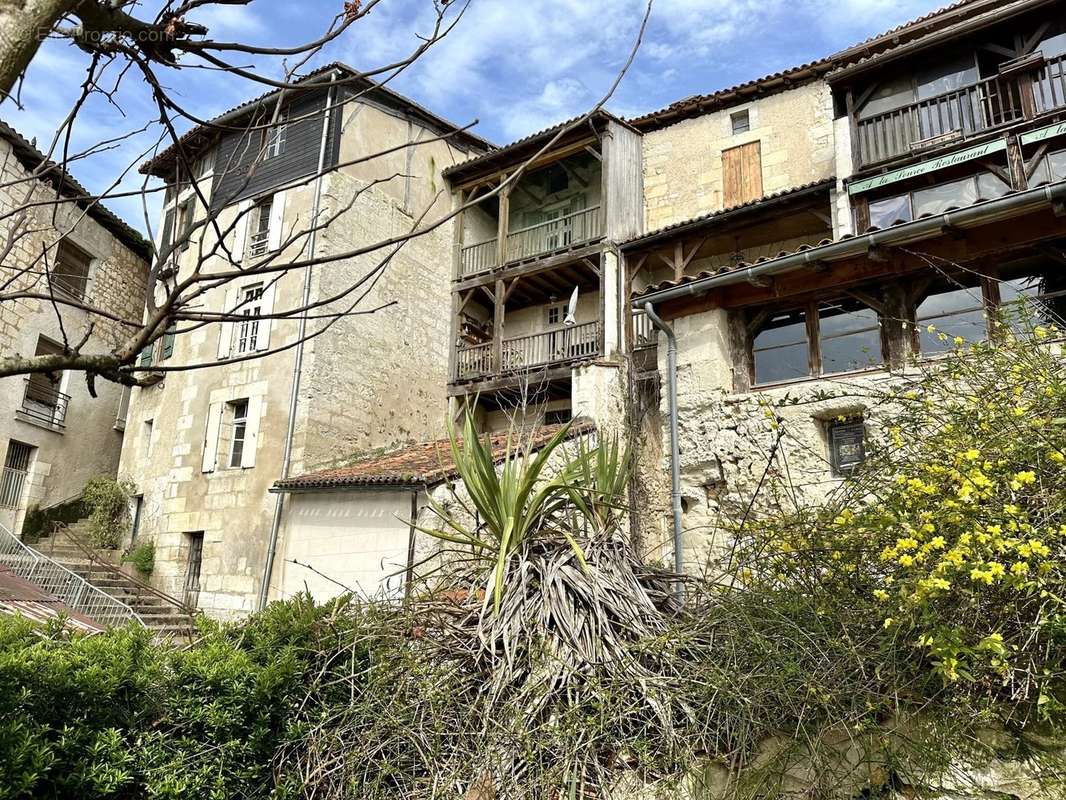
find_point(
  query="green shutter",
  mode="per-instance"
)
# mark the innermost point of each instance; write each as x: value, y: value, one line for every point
x: 168, y: 343
x: 145, y: 358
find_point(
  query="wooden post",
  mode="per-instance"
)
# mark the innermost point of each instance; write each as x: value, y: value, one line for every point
x: 501, y: 228
x: 1016, y: 164
x: 497, y: 327
x: 896, y: 325
x: 679, y: 261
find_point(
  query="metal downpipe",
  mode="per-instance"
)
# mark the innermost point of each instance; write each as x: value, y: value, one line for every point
x: 675, y: 452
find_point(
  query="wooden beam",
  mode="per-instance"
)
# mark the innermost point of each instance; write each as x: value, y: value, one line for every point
x: 592, y: 151
x: 592, y: 265
x: 511, y: 287
x: 1030, y: 44
x: 691, y: 253
x: 679, y: 261
x: 867, y: 299
x: 498, y: 317
x: 1034, y: 162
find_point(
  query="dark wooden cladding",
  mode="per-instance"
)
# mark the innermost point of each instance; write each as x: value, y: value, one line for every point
x: 240, y: 170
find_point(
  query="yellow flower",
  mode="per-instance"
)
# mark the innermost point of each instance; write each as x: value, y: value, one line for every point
x: 906, y: 560
x: 881, y: 594
x: 1025, y: 477
x: 889, y: 622
x: 959, y: 341
x: 1057, y: 456
x: 1019, y: 568
x: 937, y: 543
x: 973, y: 454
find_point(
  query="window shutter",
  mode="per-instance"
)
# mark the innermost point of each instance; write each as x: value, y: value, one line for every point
x: 214, y: 425
x: 240, y: 230
x: 277, y: 218
x: 262, y: 341
x: 225, y: 329
x: 168, y: 343
x: 251, y: 432
x: 144, y: 358
x: 168, y: 229
x: 741, y: 174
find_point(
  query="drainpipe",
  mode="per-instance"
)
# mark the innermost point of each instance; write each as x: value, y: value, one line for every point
x: 298, y: 363
x: 675, y: 455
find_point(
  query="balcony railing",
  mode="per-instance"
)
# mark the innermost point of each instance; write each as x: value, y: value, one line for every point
x: 520, y: 353
x: 982, y: 106
x: 12, y: 482
x: 1049, y: 86
x: 476, y: 258
x: 555, y: 234
x: 644, y: 333
x: 43, y: 403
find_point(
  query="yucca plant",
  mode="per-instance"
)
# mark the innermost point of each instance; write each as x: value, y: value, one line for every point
x: 600, y: 482
x: 515, y: 500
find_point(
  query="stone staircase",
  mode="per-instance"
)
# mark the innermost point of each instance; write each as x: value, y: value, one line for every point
x: 164, y: 616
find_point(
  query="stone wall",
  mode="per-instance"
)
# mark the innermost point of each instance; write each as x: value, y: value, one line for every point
x: 683, y: 162
x: 89, y: 441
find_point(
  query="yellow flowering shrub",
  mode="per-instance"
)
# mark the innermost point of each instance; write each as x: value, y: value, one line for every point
x: 950, y: 541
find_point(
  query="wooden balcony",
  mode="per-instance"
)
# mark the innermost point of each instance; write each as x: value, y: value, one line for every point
x: 523, y: 244
x: 958, y: 114
x: 1049, y: 86
x: 520, y: 354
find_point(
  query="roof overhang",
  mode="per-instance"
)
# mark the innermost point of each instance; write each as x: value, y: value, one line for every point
x: 1004, y: 208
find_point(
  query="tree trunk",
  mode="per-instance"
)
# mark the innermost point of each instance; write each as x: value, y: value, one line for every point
x: 24, y: 24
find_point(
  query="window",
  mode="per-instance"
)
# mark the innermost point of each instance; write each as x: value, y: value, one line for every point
x: 847, y: 444
x: 259, y: 239
x: 937, y: 199
x: 847, y: 337
x: 16, y: 468
x: 1051, y: 168
x: 43, y: 400
x: 251, y: 306
x: 556, y: 313
x: 70, y: 273
x: 194, y: 541
x: 1034, y: 300
x: 740, y: 122
x: 556, y: 179
x: 951, y: 312
x: 275, y: 138
x: 186, y: 215
x: 238, y: 420
x: 135, y: 508
x: 780, y: 348
x: 149, y: 426
x: 889, y: 95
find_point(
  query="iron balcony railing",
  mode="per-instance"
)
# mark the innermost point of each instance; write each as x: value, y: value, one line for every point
x: 66, y: 586
x: 545, y: 237
x: 982, y: 106
x: 42, y: 402
x: 519, y: 353
x: 258, y: 243
x: 12, y: 482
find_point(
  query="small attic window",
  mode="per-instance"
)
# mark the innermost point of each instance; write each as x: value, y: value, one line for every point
x: 740, y: 122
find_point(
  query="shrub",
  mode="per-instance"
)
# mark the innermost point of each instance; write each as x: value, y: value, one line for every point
x: 108, y: 502
x: 39, y: 521
x: 142, y: 557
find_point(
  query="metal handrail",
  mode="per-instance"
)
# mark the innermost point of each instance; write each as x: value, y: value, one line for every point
x: 37, y: 398
x: 70, y: 588
x: 111, y: 569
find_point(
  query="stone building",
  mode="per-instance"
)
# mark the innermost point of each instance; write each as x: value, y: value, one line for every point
x: 925, y: 187
x: 205, y: 445
x: 55, y: 434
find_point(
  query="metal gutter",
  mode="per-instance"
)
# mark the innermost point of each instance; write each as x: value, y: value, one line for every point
x: 1012, y: 205
x: 675, y: 451
x: 297, y: 367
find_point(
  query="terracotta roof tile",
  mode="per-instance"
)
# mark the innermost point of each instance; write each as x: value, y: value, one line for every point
x: 423, y: 464
x: 20, y: 597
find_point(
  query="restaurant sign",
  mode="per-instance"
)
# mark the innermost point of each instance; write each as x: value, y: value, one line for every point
x: 950, y: 160
x: 1040, y: 134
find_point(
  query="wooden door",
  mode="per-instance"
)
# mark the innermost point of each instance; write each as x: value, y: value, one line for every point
x: 741, y: 174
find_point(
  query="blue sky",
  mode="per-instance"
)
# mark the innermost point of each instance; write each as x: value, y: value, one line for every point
x: 515, y: 65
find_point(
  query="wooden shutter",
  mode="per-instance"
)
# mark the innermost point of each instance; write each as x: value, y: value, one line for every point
x: 225, y: 329
x: 251, y: 432
x: 266, y: 306
x: 240, y: 230
x: 741, y: 174
x: 214, y: 426
x: 277, y: 217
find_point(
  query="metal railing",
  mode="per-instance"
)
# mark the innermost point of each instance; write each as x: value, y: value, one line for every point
x: 140, y: 587
x: 555, y: 234
x: 981, y: 106
x: 644, y: 333
x: 44, y: 403
x: 258, y: 243
x: 1049, y: 85
x: 12, y: 482
x: 475, y: 258
x: 68, y: 587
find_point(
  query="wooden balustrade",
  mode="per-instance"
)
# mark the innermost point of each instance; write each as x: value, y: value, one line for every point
x: 644, y: 333
x: 557, y: 346
x: 981, y: 106
x: 555, y: 234
x: 1049, y: 86
x: 476, y: 258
